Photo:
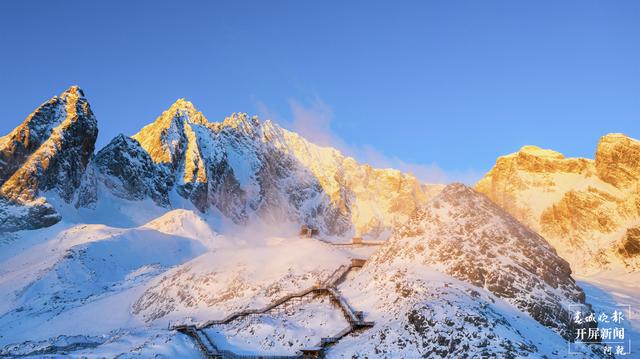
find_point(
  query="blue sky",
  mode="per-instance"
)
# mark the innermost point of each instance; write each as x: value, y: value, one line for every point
x: 441, y: 88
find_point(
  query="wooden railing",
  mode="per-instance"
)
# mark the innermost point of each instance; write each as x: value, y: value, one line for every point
x: 277, y: 303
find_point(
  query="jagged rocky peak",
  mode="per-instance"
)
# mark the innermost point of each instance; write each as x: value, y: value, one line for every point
x: 581, y: 206
x: 618, y: 160
x: 49, y: 151
x: 36, y: 128
x: 167, y: 137
x: 465, y: 235
x: 243, y: 123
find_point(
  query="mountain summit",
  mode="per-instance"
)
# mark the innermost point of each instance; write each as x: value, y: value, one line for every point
x: 48, y: 152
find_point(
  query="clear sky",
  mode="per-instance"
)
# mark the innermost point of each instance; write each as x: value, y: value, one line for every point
x: 441, y: 88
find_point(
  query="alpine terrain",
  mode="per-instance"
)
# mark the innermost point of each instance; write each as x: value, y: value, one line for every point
x: 240, y: 238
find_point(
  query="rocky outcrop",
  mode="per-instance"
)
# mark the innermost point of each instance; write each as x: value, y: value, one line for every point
x: 376, y: 200
x: 629, y: 244
x: 33, y: 215
x: 581, y: 206
x: 48, y: 152
x: 618, y: 160
x: 235, y: 167
x: 128, y: 171
x: 420, y: 313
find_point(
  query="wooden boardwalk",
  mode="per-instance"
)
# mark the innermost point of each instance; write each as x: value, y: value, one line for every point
x: 353, y: 243
x: 328, y: 287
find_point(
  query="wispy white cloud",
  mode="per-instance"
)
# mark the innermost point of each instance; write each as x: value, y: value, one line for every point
x: 313, y: 120
x: 426, y: 172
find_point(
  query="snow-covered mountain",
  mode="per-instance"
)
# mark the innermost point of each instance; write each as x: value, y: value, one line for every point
x: 45, y: 157
x: 589, y: 210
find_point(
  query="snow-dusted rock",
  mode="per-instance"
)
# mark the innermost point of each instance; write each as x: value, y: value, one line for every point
x: 241, y: 276
x: 128, y: 171
x: 241, y: 168
x: 458, y: 277
x: 422, y: 313
x: 463, y: 278
x: 48, y: 152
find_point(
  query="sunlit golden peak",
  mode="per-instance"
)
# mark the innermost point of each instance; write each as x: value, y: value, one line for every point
x: 74, y: 91
x: 183, y: 110
x: 183, y: 104
x: 540, y: 152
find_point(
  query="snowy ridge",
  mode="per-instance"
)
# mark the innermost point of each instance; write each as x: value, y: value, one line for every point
x: 245, y: 168
x: 242, y: 169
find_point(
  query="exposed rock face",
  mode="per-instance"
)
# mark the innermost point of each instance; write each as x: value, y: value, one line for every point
x: 618, y: 160
x: 130, y: 173
x: 237, y: 167
x: 376, y: 200
x: 581, y: 206
x: 19, y: 216
x: 628, y: 246
x: 47, y: 152
x: 462, y: 233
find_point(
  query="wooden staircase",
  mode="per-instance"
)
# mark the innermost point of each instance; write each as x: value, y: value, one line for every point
x: 329, y: 287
